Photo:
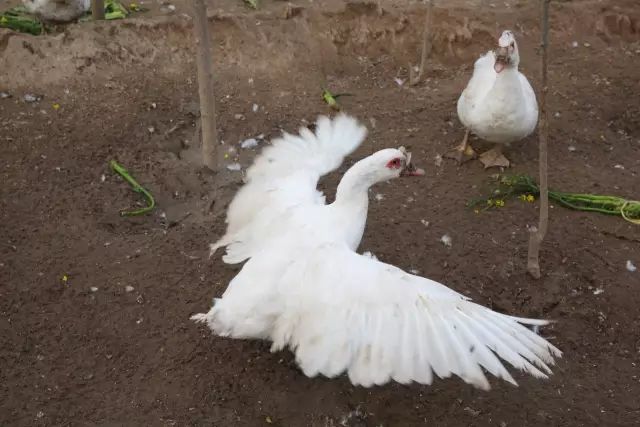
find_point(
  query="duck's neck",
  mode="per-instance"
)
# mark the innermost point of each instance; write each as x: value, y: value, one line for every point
x: 352, y: 203
x: 355, y: 184
x: 508, y: 79
x: 507, y: 89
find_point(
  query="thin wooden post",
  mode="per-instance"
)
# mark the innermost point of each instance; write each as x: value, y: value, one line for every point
x: 536, y: 236
x: 427, y: 35
x: 205, y: 85
x: 97, y: 10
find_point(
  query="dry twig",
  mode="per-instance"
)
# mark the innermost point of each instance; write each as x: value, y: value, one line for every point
x: 426, y: 45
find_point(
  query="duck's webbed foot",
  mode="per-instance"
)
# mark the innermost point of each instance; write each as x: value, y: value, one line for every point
x: 494, y: 158
x: 463, y: 152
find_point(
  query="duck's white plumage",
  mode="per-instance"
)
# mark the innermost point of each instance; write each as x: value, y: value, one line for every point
x: 57, y: 11
x: 498, y: 107
x: 284, y: 177
x: 304, y: 287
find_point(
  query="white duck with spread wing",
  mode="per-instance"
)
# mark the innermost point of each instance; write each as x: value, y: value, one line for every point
x: 304, y: 287
x: 498, y: 104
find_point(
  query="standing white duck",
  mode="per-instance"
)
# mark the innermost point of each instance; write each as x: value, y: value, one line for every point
x: 498, y: 104
x: 305, y: 287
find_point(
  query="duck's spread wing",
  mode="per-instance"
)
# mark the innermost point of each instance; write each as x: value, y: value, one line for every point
x: 285, y: 175
x: 350, y: 313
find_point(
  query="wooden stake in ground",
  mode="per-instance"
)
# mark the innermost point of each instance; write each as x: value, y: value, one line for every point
x: 426, y: 45
x: 536, y: 236
x: 205, y: 85
x: 97, y: 10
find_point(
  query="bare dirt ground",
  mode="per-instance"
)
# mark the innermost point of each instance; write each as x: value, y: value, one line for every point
x: 127, y: 354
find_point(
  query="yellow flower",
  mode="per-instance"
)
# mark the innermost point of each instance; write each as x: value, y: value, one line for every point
x: 499, y: 203
x: 490, y: 202
x: 476, y: 211
x: 522, y: 197
x: 530, y: 198
x: 56, y: 106
x: 65, y: 278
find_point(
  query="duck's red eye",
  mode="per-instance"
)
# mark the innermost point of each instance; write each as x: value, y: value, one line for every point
x: 394, y: 164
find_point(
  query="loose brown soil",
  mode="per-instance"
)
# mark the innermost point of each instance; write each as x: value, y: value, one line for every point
x: 70, y: 355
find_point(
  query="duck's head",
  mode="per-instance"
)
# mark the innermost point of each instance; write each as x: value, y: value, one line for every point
x: 391, y: 163
x: 381, y: 166
x: 507, y: 55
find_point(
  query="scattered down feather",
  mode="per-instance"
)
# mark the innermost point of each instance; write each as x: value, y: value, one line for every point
x: 306, y: 289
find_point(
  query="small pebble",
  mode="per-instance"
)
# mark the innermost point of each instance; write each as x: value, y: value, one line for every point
x: 619, y: 167
x: 4, y: 95
x: 234, y: 167
x: 249, y: 143
x: 398, y: 81
x: 471, y: 411
x: 574, y: 44
x: 598, y: 291
x: 572, y: 148
x: 424, y: 222
x: 129, y: 288
x: 32, y: 98
x: 93, y: 289
x: 630, y: 266
x: 255, y: 108
x: 446, y: 240
x: 438, y: 160
x: 379, y: 196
